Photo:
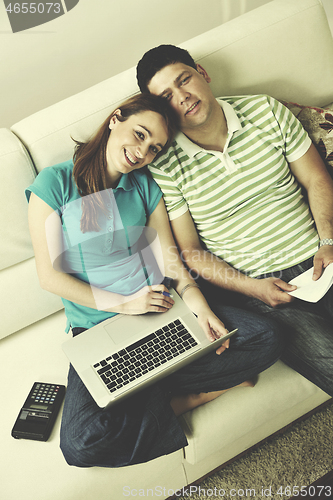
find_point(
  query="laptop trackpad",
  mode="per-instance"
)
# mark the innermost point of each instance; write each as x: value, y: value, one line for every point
x: 123, y: 328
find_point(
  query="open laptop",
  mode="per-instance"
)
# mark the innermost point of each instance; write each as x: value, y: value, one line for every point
x: 127, y: 353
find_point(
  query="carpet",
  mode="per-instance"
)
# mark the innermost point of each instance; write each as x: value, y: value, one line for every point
x: 278, y: 468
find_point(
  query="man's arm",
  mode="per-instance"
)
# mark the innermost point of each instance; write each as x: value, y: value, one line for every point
x: 216, y: 271
x: 312, y: 174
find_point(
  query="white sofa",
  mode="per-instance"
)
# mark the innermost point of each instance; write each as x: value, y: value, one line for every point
x: 284, y: 49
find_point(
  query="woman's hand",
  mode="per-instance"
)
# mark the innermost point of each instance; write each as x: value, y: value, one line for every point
x: 148, y: 299
x: 213, y: 328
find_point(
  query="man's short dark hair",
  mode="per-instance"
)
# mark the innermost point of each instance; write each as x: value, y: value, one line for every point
x: 156, y: 59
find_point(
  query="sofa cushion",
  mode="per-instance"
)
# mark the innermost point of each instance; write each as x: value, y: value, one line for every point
x: 22, y: 300
x: 17, y: 172
x: 271, y: 53
x: 37, y: 470
x: 281, y: 394
x: 234, y: 54
x: 318, y: 122
x: 48, y: 134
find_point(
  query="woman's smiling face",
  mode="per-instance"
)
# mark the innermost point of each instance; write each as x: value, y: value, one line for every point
x: 133, y: 143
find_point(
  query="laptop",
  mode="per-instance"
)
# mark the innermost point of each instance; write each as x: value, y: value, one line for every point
x: 124, y: 354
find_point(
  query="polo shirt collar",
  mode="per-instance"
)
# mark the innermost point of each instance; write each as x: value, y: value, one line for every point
x: 233, y: 125
x: 125, y: 183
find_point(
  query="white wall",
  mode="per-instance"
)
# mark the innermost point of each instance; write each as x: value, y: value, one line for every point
x: 93, y: 41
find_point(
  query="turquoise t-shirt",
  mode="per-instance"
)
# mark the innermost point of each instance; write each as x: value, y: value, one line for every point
x: 118, y: 257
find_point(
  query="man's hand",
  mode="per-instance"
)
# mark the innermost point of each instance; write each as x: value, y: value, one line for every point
x: 323, y: 257
x: 272, y: 291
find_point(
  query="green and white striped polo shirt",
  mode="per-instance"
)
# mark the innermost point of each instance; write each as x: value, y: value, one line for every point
x: 246, y: 204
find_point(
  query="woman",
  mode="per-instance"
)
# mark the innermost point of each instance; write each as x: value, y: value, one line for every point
x: 87, y: 220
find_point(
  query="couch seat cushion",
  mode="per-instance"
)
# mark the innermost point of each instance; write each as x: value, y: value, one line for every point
x: 37, y: 470
x: 280, y: 396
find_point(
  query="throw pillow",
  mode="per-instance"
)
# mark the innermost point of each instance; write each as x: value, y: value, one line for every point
x: 318, y: 123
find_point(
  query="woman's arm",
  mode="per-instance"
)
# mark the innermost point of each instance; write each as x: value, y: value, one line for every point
x: 174, y: 268
x: 46, y: 235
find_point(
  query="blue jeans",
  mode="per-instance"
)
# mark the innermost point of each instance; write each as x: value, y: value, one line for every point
x: 308, y: 328
x: 144, y: 426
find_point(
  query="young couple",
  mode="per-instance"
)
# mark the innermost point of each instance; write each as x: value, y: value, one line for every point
x: 215, y: 184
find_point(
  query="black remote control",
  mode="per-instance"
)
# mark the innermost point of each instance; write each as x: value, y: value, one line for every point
x: 39, y: 412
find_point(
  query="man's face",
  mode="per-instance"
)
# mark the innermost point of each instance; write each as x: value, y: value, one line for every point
x: 188, y: 92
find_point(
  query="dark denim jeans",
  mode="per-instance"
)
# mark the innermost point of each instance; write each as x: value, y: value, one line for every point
x: 309, y: 330
x: 308, y: 327
x: 144, y: 426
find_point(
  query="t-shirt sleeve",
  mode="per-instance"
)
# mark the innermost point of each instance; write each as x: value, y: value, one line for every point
x: 167, y: 173
x: 296, y: 139
x: 153, y: 194
x: 49, y: 186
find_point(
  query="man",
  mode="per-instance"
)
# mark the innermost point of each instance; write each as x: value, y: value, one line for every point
x: 232, y: 184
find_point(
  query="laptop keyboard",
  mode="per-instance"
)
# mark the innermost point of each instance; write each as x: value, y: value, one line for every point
x: 145, y: 355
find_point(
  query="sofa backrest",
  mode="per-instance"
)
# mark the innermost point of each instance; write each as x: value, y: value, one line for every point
x: 284, y: 49
x: 22, y: 300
